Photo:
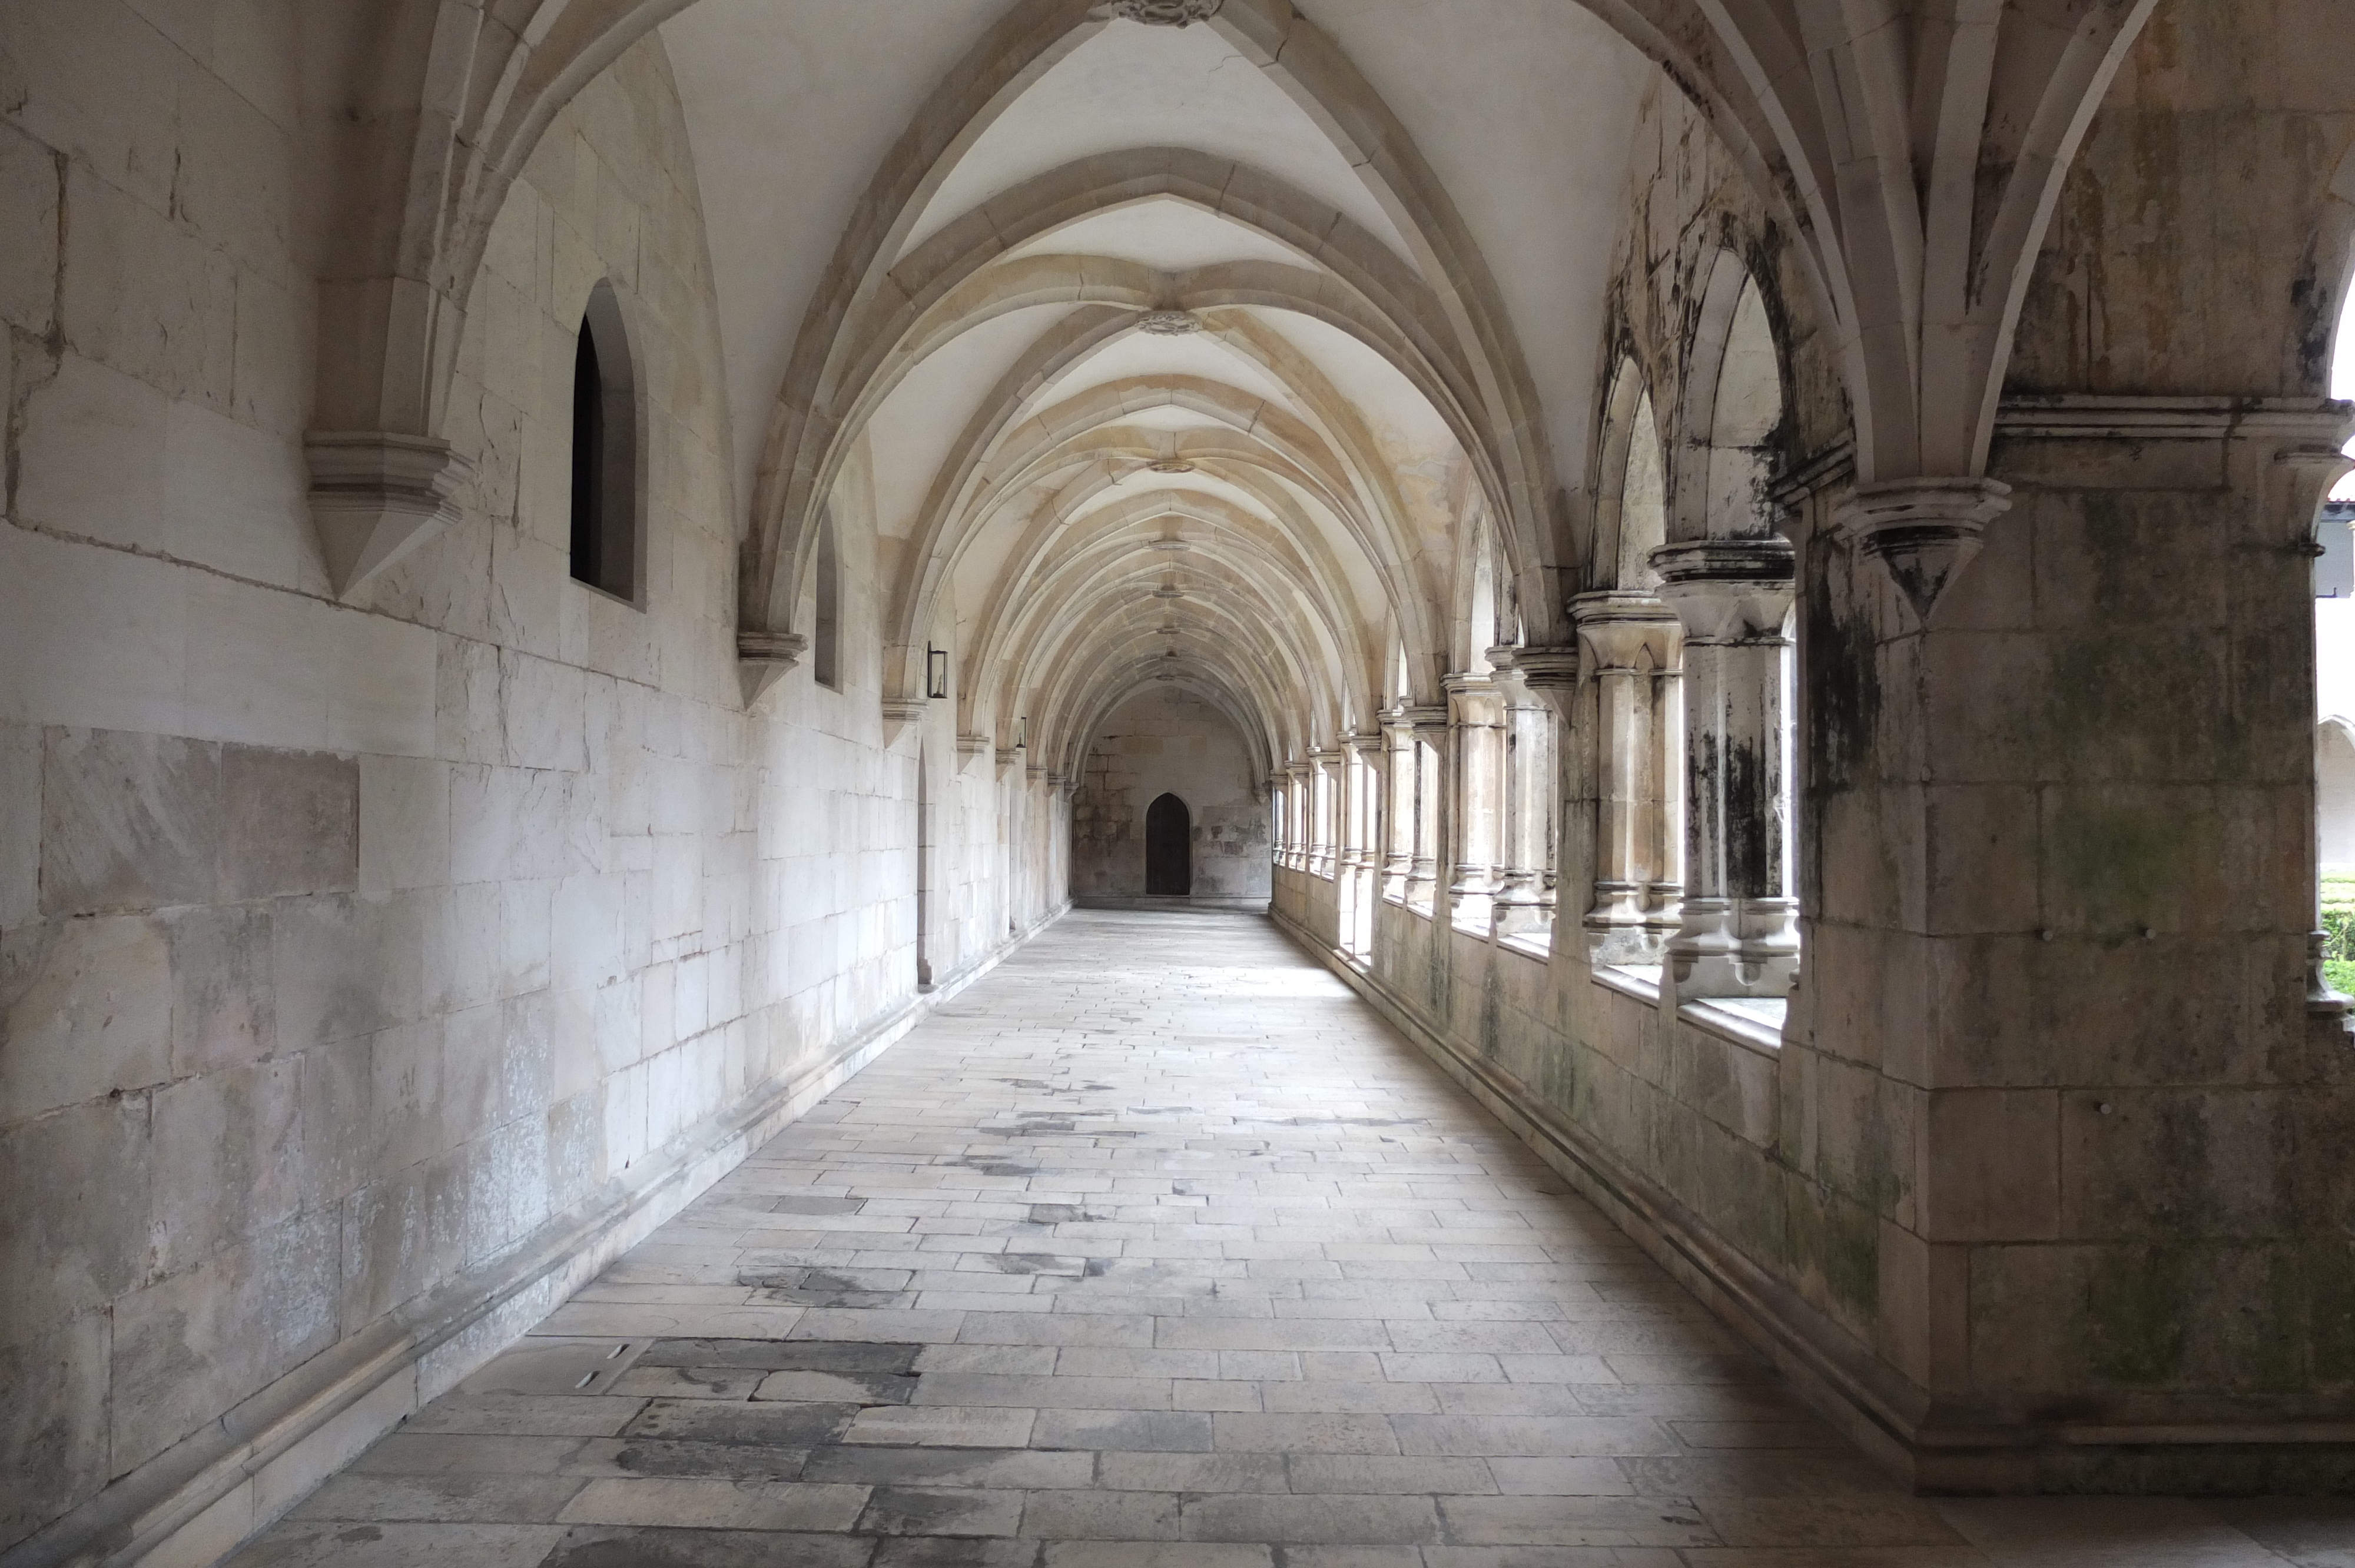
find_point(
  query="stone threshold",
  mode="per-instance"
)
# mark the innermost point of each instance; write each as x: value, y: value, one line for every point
x: 195, y: 1503
x: 1935, y: 1451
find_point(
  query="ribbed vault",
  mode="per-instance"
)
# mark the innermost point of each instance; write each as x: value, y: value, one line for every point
x: 1149, y: 379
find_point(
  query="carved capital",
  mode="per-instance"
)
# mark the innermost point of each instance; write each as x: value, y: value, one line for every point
x: 375, y: 496
x: 1622, y: 632
x: 1551, y: 675
x: 1727, y: 591
x: 1923, y: 531
x: 1428, y: 719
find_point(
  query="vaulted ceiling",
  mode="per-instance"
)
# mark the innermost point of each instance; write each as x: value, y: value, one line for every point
x: 1183, y: 353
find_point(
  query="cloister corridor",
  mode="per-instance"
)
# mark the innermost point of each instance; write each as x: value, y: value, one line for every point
x: 1157, y: 1247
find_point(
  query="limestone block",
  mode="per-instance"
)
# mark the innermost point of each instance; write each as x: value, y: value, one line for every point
x: 380, y: 690
x: 1989, y: 1166
x: 145, y: 296
x: 87, y: 1009
x: 78, y: 1220
x: 527, y: 916
x: 576, y: 1162
x: 467, y: 725
x: 289, y: 822
x: 508, y: 822
x: 20, y: 824
x: 228, y: 1159
x: 1982, y: 851
x: 94, y: 456
x: 404, y: 824
x: 29, y: 193
x: 193, y: 1345
x: 409, y: 1111
x: 466, y: 945
x: 546, y: 714
x: 2174, y: 1164
x: 90, y: 636
x: 505, y: 1188
x: 96, y: 81
x: 271, y: 371
x: 529, y: 580
x: 347, y: 965
x: 235, y: 499
x: 236, y: 183
x: 224, y: 1001
x: 53, y: 1449
x: 128, y: 821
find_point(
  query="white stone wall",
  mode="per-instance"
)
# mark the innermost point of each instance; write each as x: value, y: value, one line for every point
x: 343, y: 945
x: 1170, y: 742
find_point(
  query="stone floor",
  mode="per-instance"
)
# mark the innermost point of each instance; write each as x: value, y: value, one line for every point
x: 1156, y: 1249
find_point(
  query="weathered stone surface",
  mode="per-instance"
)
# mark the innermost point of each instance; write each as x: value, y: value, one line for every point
x: 224, y: 995
x: 85, y: 1010
x: 290, y: 823
x: 128, y: 822
x: 186, y: 1346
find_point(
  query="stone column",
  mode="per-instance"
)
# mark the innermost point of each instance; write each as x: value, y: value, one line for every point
x: 1398, y: 803
x: 2058, y: 871
x: 1300, y: 803
x: 1478, y: 713
x: 1629, y: 644
x: 1524, y: 900
x: 1429, y: 727
x: 1740, y: 933
x: 1360, y: 853
x: 1323, y: 831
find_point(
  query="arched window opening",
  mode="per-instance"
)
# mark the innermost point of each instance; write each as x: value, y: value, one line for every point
x: 1729, y: 577
x: 609, y: 540
x: 826, y: 640
x: 2334, y: 693
x: 1169, y: 848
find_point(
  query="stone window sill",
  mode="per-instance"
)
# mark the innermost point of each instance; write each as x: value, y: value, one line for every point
x: 1538, y: 945
x: 1642, y: 984
x: 1755, y: 1022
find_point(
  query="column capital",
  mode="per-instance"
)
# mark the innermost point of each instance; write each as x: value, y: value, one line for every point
x: 1621, y: 631
x: 1551, y: 675
x: 1729, y: 592
x: 1922, y: 531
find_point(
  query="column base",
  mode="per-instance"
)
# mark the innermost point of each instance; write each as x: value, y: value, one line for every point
x: 1734, y: 946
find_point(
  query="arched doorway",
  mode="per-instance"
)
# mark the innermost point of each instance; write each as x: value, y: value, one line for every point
x: 1168, y: 847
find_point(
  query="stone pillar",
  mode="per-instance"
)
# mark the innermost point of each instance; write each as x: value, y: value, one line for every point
x: 1429, y: 727
x: 1360, y: 857
x: 2056, y: 882
x: 1524, y: 897
x: 1300, y: 799
x: 1740, y: 933
x: 1398, y: 803
x: 1477, y: 709
x: 1629, y: 644
x: 1324, y: 829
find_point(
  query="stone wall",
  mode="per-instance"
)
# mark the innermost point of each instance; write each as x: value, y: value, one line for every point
x: 348, y: 949
x: 1169, y: 743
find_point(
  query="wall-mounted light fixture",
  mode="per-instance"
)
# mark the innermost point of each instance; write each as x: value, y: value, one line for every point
x: 1021, y: 733
x: 936, y: 671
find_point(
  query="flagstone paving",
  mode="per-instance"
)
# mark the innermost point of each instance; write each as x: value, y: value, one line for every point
x: 1156, y: 1249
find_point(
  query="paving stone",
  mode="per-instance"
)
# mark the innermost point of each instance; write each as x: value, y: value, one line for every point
x: 1173, y: 1267
x: 770, y: 1425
